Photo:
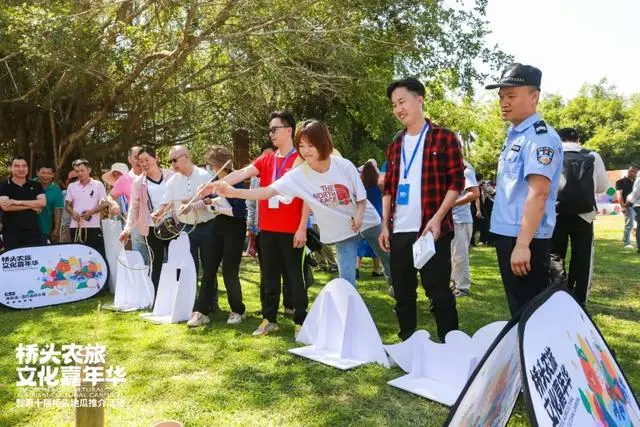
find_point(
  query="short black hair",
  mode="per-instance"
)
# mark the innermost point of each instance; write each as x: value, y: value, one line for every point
x: 80, y: 162
x: 147, y: 149
x: 410, y: 83
x: 19, y: 157
x: 267, y: 145
x: 286, y: 117
x: 569, y: 134
x: 47, y: 165
x: 133, y: 148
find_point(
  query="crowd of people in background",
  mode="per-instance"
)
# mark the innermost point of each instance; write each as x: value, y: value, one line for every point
x: 307, y: 206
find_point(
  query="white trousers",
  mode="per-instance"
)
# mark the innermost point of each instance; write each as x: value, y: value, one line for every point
x: 460, y: 273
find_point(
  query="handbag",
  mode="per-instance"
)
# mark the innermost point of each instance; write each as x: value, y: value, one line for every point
x: 313, y: 240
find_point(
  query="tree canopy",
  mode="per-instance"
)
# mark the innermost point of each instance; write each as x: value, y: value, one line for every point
x: 92, y: 77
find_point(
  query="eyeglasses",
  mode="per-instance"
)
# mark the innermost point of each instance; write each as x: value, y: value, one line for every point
x: 274, y: 129
x: 175, y: 159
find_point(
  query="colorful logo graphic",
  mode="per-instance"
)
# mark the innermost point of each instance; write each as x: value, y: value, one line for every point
x: 491, y: 407
x: 607, y: 397
x: 69, y: 275
x: 333, y: 195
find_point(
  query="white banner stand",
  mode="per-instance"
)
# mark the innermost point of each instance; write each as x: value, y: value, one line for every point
x: 134, y: 289
x: 436, y: 371
x: 111, y: 230
x: 340, y: 330
x: 177, y: 287
x: 570, y: 376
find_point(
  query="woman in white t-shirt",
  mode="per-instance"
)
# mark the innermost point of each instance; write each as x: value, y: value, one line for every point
x: 147, y: 195
x: 332, y: 188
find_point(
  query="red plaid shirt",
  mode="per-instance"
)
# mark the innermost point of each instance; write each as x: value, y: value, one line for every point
x: 442, y: 170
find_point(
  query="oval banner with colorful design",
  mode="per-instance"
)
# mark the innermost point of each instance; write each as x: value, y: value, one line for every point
x: 49, y: 275
x: 571, y: 377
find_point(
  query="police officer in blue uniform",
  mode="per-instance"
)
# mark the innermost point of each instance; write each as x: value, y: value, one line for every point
x: 529, y: 172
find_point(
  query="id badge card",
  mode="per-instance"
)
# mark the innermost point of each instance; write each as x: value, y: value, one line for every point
x: 403, y: 194
x: 274, y: 203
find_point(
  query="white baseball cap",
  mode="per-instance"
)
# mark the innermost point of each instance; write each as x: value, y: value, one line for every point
x: 116, y: 167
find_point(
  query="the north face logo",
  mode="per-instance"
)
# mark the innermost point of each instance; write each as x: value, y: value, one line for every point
x: 333, y: 195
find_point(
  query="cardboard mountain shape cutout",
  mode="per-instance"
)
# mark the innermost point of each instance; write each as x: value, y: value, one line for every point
x: 570, y: 376
x: 440, y: 371
x: 490, y: 394
x: 134, y: 289
x: 111, y: 230
x: 340, y: 330
x: 177, y: 287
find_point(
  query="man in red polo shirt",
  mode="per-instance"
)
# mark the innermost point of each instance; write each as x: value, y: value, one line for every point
x: 282, y: 224
x: 425, y: 175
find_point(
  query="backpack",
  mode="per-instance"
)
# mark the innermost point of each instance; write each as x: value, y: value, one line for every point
x: 576, y: 193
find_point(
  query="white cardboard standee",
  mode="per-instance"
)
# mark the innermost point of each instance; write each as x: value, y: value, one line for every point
x: 111, y: 230
x: 177, y: 287
x: 134, y: 289
x: 340, y: 330
x: 436, y: 371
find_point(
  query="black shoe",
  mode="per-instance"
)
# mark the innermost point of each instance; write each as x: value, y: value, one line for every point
x: 357, y: 274
x: 460, y: 293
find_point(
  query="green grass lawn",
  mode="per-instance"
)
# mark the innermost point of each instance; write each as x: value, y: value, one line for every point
x: 221, y: 375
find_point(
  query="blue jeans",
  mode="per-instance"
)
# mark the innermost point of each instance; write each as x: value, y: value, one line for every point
x: 629, y: 217
x: 137, y: 244
x: 347, y: 252
x: 371, y: 236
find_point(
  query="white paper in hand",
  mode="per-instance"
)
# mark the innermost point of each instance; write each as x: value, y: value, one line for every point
x: 423, y: 249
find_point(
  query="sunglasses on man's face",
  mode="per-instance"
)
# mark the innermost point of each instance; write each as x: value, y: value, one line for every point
x: 175, y: 159
x: 274, y: 129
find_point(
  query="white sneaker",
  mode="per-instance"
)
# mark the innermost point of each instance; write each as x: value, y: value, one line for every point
x: 235, y: 318
x: 628, y: 247
x: 198, y: 319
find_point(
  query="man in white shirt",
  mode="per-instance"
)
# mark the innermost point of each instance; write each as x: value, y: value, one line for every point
x: 633, y: 200
x: 583, y: 176
x: 463, y: 230
x: 181, y: 188
x: 132, y: 158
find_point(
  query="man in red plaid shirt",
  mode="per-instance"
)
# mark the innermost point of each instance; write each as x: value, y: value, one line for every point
x: 425, y: 175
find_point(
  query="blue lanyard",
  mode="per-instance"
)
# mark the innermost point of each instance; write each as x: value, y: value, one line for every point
x: 278, y: 173
x: 407, y: 168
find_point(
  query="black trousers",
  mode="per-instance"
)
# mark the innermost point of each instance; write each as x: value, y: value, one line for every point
x: 158, y: 248
x: 228, y: 243
x: 287, y: 299
x: 521, y: 290
x: 278, y: 256
x: 580, y: 233
x: 22, y: 239
x: 201, y: 246
x: 93, y: 238
x: 636, y: 209
x: 435, y: 276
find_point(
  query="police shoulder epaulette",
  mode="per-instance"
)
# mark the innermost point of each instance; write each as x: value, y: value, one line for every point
x: 540, y: 127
